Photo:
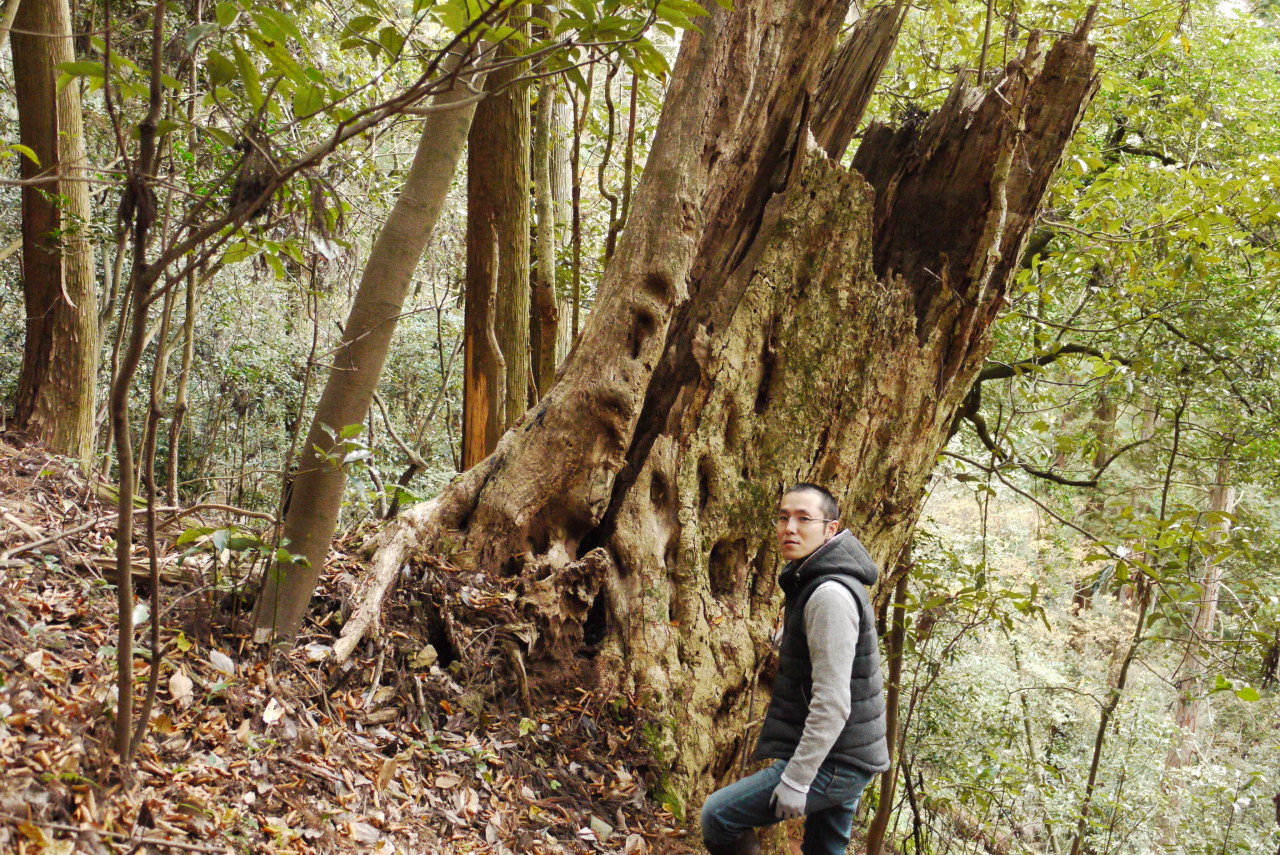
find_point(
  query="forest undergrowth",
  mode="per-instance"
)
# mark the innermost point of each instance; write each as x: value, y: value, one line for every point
x: 415, y: 745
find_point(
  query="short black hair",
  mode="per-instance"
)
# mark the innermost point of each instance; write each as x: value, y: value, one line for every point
x: 829, y: 506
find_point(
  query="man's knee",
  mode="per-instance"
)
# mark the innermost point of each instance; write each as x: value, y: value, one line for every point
x: 712, y: 827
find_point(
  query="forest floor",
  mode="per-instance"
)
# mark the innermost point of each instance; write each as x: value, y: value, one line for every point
x: 412, y: 747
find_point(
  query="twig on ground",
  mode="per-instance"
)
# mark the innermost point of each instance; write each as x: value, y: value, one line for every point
x: 118, y: 835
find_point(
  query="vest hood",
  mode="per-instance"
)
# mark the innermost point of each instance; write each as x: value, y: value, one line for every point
x: 841, y: 555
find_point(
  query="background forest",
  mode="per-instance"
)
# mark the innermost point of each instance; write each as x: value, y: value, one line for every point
x: 1088, y: 639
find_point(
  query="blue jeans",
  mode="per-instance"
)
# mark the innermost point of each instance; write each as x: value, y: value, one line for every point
x: 828, y: 820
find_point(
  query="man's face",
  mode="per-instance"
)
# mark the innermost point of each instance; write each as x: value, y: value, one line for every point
x: 801, y: 527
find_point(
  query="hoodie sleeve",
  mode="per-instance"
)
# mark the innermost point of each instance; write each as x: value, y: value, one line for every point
x: 831, y: 625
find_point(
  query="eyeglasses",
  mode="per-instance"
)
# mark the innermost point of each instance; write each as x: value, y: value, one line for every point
x: 782, y: 520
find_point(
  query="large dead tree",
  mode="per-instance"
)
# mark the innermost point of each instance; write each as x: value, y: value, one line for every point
x: 768, y: 316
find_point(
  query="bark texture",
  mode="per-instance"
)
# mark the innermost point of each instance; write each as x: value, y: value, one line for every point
x: 58, y: 379
x: 769, y: 317
x: 357, y: 364
x: 497, y: 251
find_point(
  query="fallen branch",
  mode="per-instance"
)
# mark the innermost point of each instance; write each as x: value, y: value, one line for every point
x: 118, y: 835
x: 374, y: 585
x: 178, y: 513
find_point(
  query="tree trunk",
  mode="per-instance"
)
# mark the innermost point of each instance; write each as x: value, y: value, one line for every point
x: 769, y: 316
x: 58, y: 378
x: 879, y: 826
x: 357, y: 363
x: 545, y: 316
x: 1189, y: 677
x: 497, y: 247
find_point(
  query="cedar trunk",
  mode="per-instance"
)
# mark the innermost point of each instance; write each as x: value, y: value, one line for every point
x: 769, y: 316
x: 58, y: 379
x: 497, y: 252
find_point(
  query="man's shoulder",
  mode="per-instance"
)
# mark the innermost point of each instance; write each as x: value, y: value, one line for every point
x: 833, y: 592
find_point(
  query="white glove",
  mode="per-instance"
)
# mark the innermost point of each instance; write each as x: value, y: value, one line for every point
x: 787, y: 801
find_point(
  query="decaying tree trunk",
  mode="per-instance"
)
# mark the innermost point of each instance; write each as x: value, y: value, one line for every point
x: 58, y: 378
x: 769, y: 316
x: 358, y: 360
x: 850, y: 79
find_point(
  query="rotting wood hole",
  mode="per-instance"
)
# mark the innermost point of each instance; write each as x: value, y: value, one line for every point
x: 594, y: 628
x: 706, y: 481
x: 731, y: 425
x: 658, y: 285
x: 659, y: 493
x: 725, y: 759
x: 768, y: 364
x: 723, y: 566
x: 437, y: 633
x: 645, y: 324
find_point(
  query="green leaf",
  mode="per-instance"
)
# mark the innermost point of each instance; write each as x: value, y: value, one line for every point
x: 192, y: 534
x: 220, y: 135
x: 391, y: 40
x: 26, y: 152
x: 220, y: 538
x: 242, y: 542
x: 83, y: 69
x: 1248, y: 693
x: 218, y: 68
x: 277, y: 267
x: 226, y: 13
x: 358, y: 25
x: 237, y: 252
x: 249, y: 75
x: 309, y: 100
x: 279, y: 56
x: 198, y: 32
x: 352, y: 430
x: 285, y: 24
x: 575, y: 75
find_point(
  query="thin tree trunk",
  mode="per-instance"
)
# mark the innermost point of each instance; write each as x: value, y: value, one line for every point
x: 58, y: 378
x: 140, y: 199
x: 575, y: 213
x: 1143, y: 595
x: 545, y: 319
x: 893, y: 697
x: 9, y: 12
x: 768, y: 316
x: 318, y: 486
x: 1189, y: 677
x: 497, y: 246
x: 180, y: 401
x: 562, y: 194
x: 618, y: 209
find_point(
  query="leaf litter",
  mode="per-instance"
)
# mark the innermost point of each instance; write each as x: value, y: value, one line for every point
x: 422, y: 743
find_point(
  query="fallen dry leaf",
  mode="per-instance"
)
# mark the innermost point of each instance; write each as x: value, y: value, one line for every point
x: 180, y: 688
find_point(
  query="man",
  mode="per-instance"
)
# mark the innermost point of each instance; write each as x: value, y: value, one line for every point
x: 825, y: 726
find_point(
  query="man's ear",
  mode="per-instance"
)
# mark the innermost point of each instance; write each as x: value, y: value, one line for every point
x: 832, y: 528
